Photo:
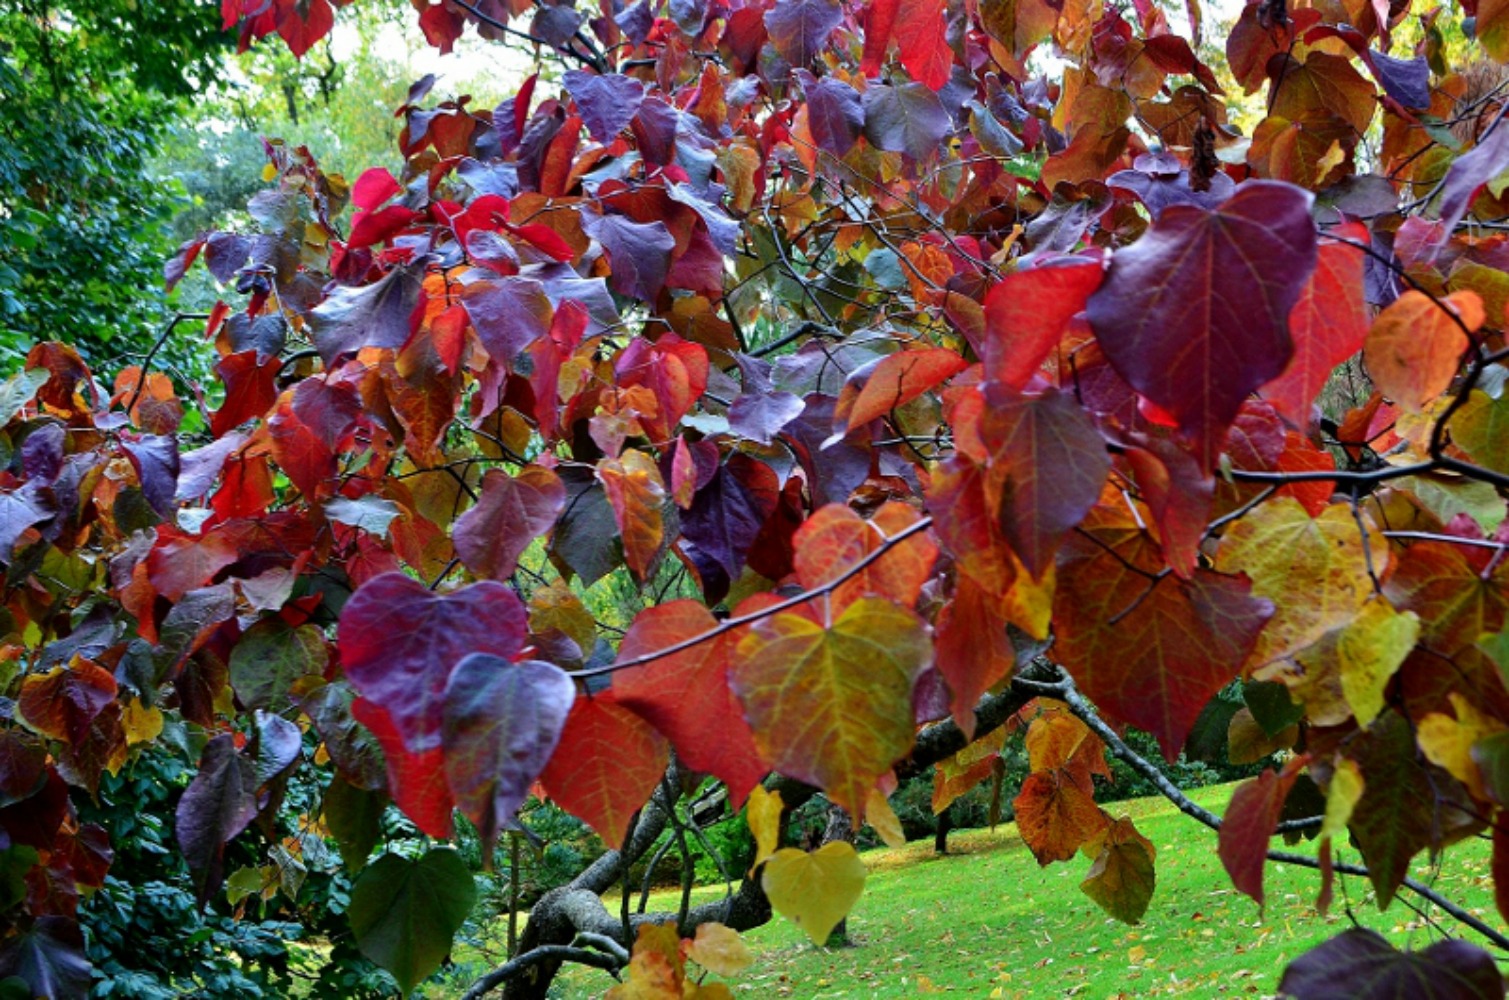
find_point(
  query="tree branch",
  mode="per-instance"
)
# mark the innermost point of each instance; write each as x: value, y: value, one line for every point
x: 729, y: 624
x: 1064, y: 690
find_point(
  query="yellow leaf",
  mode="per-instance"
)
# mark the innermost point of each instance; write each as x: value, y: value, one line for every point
x: 142, y: 724
x: 1342, y: 795
x: 719, y: 949
x: 882, y: 818
x: 1029, y: 603
x: 1369, y: 651
x: 764, y: 817
x: 1448, y: 742
x: 833, y: 706
x: 1287, y: 552
x: 557, y: 607
x: 655, y: 971
x: 815, y: 891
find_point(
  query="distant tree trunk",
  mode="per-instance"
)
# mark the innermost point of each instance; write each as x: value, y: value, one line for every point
x: 940, y: 836
x: 840, y: 827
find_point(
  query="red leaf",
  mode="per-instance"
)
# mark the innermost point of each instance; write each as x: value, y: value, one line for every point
x: 415, y: 780
x: 1328, y: 325
x: 606, y: 767
x: 63, y: 702
x: 921, y: 37
x: 313, y: 424
x: 399, y: 643
x: 1027, y: 313
x: 686, y: 695
x: 880, y: 22
x: 1149, y: 652
x: 511, y: 512
x: 1195, y: 314
x: 971, y: 649
x: 1250, y: 820
x: 251, y: 389
x: 675, y: 370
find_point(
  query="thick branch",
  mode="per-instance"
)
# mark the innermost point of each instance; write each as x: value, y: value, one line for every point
x: 564, y: 914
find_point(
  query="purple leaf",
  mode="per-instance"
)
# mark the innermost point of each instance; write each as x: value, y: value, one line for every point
x: 1195, y: 314
x: 1405, y: 80
x: 584, y: 538
x: 509, y: 314
x: 399, y: 644
x: 500, y: 726
x: 1466, y: 177
x: 42, y: 452
x: 727, y: 514
x: 19, y: 510
x: 606, y: 103
x: 509, y: 515
x: 1360, y: 965
x: 640, y: 253
x: 835, y: 113
x: 906, y: 119
x: 156, y: 460
x: 278, y: 745
x: 800, y: 28
x: 376, y: 315
x: 1160, y: 191
x: 218, y: 804
x: 49, y: 958
x: 760, y: 416
x: 555, y: 25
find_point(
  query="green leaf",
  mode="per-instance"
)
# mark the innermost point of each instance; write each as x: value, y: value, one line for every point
x: 404, y: 912
x: 354, y: 816
x: 270, y: 657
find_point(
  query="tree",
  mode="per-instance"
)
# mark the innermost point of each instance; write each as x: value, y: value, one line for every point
x: 85, y: 92
x: 918, y: 397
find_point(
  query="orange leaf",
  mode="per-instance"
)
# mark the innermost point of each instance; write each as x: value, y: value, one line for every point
x: 896, y: 379
x: 834, y: 538
x: 1415, y: 346
x: 1056, y: 813
x: 606, y: 765
x: 637, y: 495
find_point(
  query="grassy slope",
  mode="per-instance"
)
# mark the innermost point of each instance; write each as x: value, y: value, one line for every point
x: 986, y: 921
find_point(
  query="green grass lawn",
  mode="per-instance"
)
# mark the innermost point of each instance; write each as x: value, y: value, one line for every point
x: 986, y: 921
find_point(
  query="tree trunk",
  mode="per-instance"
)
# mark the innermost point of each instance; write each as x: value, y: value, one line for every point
x: 940, y: 836
x: 840, y: 827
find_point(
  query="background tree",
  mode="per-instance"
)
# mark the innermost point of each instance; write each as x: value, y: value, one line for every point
x: 86, y: 91
x: 919, y: 399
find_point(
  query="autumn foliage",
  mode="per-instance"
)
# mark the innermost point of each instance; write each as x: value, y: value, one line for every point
x: 924, y: 396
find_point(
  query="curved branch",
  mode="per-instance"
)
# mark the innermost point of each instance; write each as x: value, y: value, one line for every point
x: 729, y: 624
x: 1065, y: 691
x: 532, y: 958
